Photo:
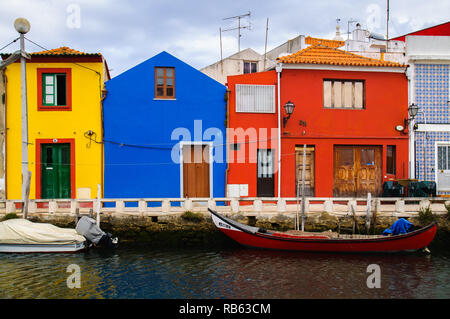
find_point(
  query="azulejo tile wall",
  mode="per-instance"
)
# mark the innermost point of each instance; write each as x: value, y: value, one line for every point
x: 432, y: 96
x: 432, y: 93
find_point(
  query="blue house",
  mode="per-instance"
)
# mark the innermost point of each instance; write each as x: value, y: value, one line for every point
x: 164, y: 132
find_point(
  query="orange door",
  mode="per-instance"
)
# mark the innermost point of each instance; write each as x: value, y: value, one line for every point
x: 196, y: 171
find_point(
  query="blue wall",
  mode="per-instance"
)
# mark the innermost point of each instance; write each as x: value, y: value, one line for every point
x: 138, y: 129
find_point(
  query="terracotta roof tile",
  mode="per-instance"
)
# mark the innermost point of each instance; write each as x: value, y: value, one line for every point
x: 62, y: 51
x: 329, y: 43
x: 321, y: 54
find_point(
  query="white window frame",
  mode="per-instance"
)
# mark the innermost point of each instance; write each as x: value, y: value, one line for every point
x: 253, y: 98
x: 343, y: 83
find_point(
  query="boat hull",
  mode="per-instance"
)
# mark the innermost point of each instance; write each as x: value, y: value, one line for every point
x: 413, y: 241
x: 42, y: 248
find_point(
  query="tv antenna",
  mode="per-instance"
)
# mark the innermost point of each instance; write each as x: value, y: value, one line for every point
x: 348, y: 30
x: 239, y: 27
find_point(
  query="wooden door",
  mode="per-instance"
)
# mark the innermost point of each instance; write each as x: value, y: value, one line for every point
x: 309, y: 170
x: 265, y: 183
x: 344, y: 171
x: 368, y: 172
x: 357, y: 171
x: 55, y: 171
x: 196, y: 171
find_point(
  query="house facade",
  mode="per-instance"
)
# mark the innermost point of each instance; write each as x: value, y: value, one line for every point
x: 347, y: 116
x: 250, y: 61
x: 64, y: 98
x: 164, y: 132
x: 429, y: 72
x: 426, y: 52
x: 242, y: 62
x: 2, y: 135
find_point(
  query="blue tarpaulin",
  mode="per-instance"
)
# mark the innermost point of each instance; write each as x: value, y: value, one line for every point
x: 401, y: 226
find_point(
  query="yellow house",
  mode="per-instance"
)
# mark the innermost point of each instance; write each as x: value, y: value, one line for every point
x: 65, y: 90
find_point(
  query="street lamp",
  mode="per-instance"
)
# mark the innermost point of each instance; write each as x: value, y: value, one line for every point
x: 413, y: 109
x: 23, y: 26
x: 289, y: 108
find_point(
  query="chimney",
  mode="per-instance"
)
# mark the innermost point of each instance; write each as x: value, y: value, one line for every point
x: 338, y: 36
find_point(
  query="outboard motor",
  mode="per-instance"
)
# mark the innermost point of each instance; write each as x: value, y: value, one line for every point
x: 88, y: 228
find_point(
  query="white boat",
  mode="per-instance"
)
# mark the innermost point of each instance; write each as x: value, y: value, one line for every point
x: 24, y: 236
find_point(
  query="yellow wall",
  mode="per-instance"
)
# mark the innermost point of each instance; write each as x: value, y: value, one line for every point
x: 85, y: 115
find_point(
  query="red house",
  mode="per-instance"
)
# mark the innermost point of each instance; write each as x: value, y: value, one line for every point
x: 442, y: 29
x: 348, y: 110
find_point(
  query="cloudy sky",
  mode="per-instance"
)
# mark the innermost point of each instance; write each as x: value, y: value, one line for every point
x: 129, y: 32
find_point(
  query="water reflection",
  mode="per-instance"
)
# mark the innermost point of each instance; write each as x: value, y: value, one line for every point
x: 232, y: 273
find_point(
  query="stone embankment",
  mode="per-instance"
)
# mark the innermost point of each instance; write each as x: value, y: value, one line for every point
x: 192, y: 228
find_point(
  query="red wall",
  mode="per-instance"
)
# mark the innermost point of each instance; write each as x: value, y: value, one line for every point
x: 386, y: 104
x: 246, y: 173
x: 438, y: 30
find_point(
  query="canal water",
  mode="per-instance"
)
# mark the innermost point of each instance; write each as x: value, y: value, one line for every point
x: 223, y: 273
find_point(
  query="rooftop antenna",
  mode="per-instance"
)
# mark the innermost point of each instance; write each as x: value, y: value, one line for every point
x: 348, y: 29
x: 265, y: 46
x: 239, y: 17
x: 387, y: 25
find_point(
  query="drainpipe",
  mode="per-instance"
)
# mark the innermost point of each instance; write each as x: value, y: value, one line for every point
x: 227, y: 147
x: 412, y: 156
x: 279, y: 68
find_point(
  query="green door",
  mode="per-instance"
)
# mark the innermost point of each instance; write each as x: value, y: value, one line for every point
x: 55, y: 174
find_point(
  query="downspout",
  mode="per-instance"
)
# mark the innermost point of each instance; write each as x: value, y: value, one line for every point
x: 227, y: 119
x: 410, y: 72
x: 3, y: 150
x: 279, y: 68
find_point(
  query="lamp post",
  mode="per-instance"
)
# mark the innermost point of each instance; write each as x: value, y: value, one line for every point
x: 413, y: 109
x: 23, y: 26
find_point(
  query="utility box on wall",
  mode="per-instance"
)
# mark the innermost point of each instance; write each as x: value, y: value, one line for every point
x: 237, y: 190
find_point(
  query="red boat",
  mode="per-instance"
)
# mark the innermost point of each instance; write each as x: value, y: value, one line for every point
x: 323, y: 242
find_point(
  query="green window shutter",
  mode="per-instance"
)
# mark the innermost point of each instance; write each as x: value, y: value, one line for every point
x: 54, y: 89
x: 49, y: 89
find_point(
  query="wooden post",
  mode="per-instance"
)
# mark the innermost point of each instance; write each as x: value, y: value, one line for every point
x: 355, y: 222
x: 77, y: 215
x: 303, y: 187
x: 369, y: 199
x: 98, y: 204
x: 27, y: 195
x: 297, y: 218
x: 354, y: 218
